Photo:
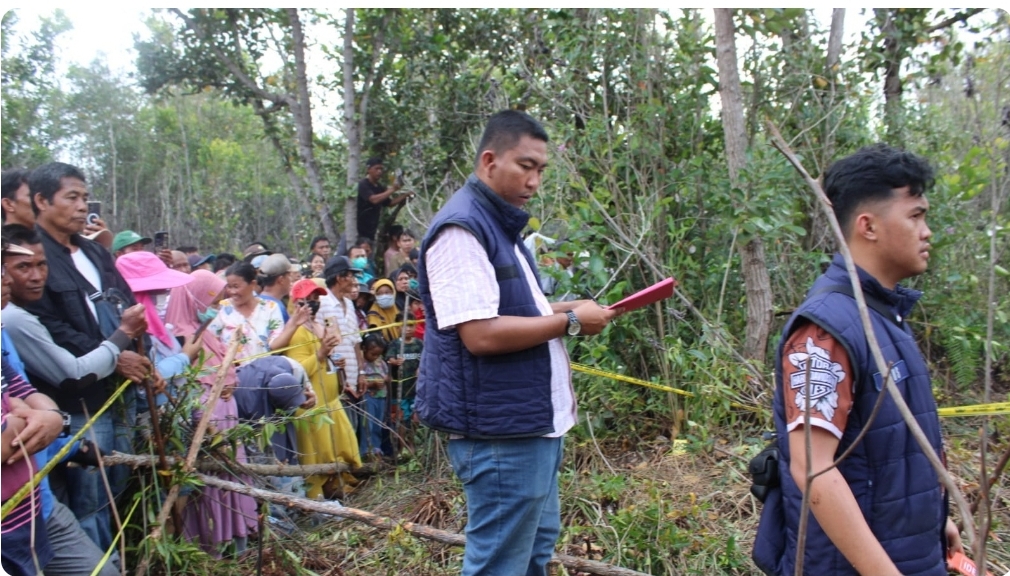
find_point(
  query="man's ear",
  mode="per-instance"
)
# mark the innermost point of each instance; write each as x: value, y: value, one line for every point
x: 38, y: 199
x: 866, y: 226
x: 486, y: 159
x: 8, y: 204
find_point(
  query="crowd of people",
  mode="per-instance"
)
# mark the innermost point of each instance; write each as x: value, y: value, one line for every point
x: 331, y: 340
x: 324, y: 339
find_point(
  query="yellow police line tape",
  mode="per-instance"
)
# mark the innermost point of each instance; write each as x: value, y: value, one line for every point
x: 992, y: 409
x: 622, y: 378
x: 315, y: 340
x: 20, y: 494
x: 112, y: 547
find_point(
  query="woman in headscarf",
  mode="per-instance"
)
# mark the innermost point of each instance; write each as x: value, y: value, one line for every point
x: 151, y: 280
x: 384, y: 311
x: 312, y: 346
x: 213, y: 516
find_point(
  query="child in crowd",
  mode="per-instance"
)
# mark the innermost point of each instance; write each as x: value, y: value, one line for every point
x: 376, y: 380
x: 405, y: 243
x: 392, y: 248
x: 405, y: 355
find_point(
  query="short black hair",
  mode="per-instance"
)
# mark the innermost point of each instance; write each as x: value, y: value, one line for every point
x: 362, y: 241
x: 317, y: 240
x: 188, y: 249
x: 47, y: 180
x: 373, y: 340
x: 224, y: 260
x: 505, y: 128
x: 399, y: 316
x: 21, y: 235
x: 373, y: 161
x: 871, y: 174
x: 408, y: 232
x: 395, y: 230
x: 10, y: 182
x: 243, y: 270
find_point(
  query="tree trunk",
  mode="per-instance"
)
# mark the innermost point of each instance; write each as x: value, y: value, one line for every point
x: 835, y: 39
x: 754, y: 268
x: 892, y: 75
x: 351, y: 132
x: 301, y: 108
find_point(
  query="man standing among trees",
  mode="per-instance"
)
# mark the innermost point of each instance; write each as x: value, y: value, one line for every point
x: 373, y: 195
x: 881, y: 510
x: 81, y: 306
x: 495, y: 373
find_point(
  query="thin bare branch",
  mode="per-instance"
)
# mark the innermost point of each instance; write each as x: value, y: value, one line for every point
x: 913, y: 426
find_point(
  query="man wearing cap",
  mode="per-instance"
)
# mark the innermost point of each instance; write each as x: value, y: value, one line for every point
x: 197, y: 262
x: 81, y: 305
x: 339, y: 309
x: 372, y: 196
x: 253, y: 250
x: 275, y: 280
x: 128, y: 241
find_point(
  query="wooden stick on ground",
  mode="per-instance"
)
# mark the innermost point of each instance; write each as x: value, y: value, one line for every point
x: 204, y: 465
x: 336, y: 509
x: 194, y: 447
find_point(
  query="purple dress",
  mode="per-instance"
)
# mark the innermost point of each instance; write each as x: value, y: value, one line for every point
x: 216, y: 516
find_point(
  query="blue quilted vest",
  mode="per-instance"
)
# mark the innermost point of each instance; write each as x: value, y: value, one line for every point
x: 897, y: 489
x: 500, y: 396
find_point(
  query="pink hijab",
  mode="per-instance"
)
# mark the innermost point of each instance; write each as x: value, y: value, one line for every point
x: 145, y: 272
x: 184, y: 305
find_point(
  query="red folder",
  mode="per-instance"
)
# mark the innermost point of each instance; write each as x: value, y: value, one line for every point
x: 654, y: 293
x: 960, y: 563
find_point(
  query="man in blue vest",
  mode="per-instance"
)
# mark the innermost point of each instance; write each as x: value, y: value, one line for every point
x: 882, y: 510
x: 494, y: 373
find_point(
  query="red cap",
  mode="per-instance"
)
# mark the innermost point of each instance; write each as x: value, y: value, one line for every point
x: 304, y: 287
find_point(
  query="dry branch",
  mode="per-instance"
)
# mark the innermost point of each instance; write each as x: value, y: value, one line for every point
x: 878, y: 357
x: 573, y: 563
x: 194, y: 447
x: 144, y: 460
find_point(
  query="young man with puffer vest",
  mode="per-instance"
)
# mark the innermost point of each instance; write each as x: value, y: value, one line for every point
x: 882, y: 510
x: 494, y: 372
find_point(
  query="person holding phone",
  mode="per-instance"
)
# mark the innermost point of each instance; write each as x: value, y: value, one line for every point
x: 312, y: 346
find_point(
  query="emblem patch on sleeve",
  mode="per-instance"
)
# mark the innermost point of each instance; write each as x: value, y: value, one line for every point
x: 825, y: 376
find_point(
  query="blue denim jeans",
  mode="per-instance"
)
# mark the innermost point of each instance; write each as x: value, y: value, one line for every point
x: 513, y: 511
x: 85, y: 491
x: 371, y: 441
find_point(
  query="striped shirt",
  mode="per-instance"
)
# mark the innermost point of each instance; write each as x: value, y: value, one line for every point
x: 463, y: 288
x: 14, y: 476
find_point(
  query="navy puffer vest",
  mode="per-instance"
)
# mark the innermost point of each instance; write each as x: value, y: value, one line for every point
x: 897, y: 489
x: 500, y: 396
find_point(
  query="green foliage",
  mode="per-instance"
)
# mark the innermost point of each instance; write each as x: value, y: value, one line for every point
x: 30, y: 123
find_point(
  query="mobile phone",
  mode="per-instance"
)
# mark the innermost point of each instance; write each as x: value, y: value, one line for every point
x: 328, y: 321
x: 94, y: 211
x: 160, y: 240
x: 399, y: 177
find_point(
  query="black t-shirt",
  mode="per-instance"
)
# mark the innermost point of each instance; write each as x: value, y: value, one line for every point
x: 368, y: 213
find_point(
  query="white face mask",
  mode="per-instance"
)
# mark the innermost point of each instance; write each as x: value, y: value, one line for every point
x: 161, y: 304
x: 384, y: 300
